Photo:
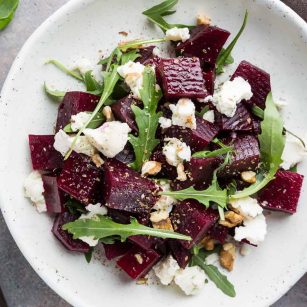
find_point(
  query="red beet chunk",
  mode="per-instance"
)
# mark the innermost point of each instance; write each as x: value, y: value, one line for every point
x: 246, y: 156
x: 66, y: 238
x: 80, y: 178
x: 193, y: 219
x: 197, y: 139
x: 138, y: 262
x: 116, y: 250
x: 124, y: 189
x: 167, y: 171
x: 199, y: 172
x: 43, y: 155
x: 146, y: 242
x: 205, y: 43
x: 54, y: 197
x: 73, y: 103
x: 181, y: 254
x: 209, y: 78
x: 218, y: 233
x: 146, y: 55
x: 122, y: 111
x: 181, y: 78
x: 258, y: 79
x: 282, y: 194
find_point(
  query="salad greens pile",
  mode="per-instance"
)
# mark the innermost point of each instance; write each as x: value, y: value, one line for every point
x: 7, y: 11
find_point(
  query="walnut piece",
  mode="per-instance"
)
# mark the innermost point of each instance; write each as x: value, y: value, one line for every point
x: 182, y: 176
x: 107, y: 112
x: 97, y: 160
x: 151, y: 168
x: 232, y: 219
x: 203, y: 20
x: 227, y: 256
x: 164, y: 225
x: 207, y: 243
x: 249, y: 176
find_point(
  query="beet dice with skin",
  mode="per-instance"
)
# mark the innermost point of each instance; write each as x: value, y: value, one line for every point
x: 182, y: 255
x: 74, y: 245
x: 206, y: 42
x: 81, y: 179
x: 74, y: 103
x: 181, y: 78
x: 124, y: 189
x: 259, y: 81
x: 209, y: 78
x: 138, y: 262
x: 218, y: 233
x: 116, y: 249
x: 193, y: 219
x: 146, y: 55
x: 43, y: 155
x: 282, y: 194
x: 146, y: 242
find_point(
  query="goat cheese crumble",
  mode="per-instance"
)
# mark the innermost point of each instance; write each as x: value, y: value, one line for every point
x: 166, y: 270
x: 248, y: 207
x: 110, y: 139
x: 79, y: 120
x: 34, y: 189
x: 230, y: 94
x: 183, y: 113
x: 209, y: 116
x: 165, y: 122
x: 177, y: 34
x: 176, y: 151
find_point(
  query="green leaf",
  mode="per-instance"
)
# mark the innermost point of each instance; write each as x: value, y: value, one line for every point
x: 147, y: 120
x: 74, y: 207
x: 73, y: 73
x: 92, y: 85
x: 7, y: 11
x: 204, y: 110
x: 88, y: 255
x: 161, y: 8
x: 131, y: 55
x: 225, y: 57
x: 136, y: 44
x: 215, y: 276
x: 103, y: 227
x: 212, y: 154
x: 54, y: 94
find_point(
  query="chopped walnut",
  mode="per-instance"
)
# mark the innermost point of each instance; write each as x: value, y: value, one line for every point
x: 97, y: 160
x: 182, y: 176
x: 207, y: 243
x: 203, y: 20
x: 232, y: 219
x: 142, y: 281
x: 124, y: 33
x: 151, y: 168
x: 249, y: 176
x: 227, y: 256
x: 158, y: 216
x: 138, y: 258
x: 107, y: 112
x: 164, y: 224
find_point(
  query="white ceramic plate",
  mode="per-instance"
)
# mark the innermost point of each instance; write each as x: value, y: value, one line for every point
x: 275, y: 39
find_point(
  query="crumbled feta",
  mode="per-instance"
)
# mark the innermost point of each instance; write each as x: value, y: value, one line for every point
x: 294, y: 152
x: 230, y: 94
x: 34, y: 189
x: 110, y: 139
x: 184, y: 113
x: 254, y: 230
x: 176, y: 151
x: 190, y: 280
x: 63, y: 142
x: 177, y: 34
x: 151, y: 168
x: 209, y: 116
x: 133, y: 75
x: 165, y: 122
x: 79, y: 120
x: 248, y: 207
x: 166, y: 270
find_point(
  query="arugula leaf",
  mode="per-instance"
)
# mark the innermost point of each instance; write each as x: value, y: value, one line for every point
x: 131, y: 55
x: 214, y: 275
x: 73, y: 73
x: 136, y: 44
x: 214, y: 153
x: 92, y: 85
x: 147, y: 120
x: 74, y: 207
x: 272, y: 143
x: 7, y: 11
x: 54, y: 94
x: 225, y: 57
x: 103, y: 227
x: 88, y: 255
x: 204, y: 110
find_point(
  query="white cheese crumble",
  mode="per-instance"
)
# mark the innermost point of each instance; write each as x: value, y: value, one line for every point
x: 184, y: 113
x: 294, y: 152
x: 209, y: 116
x: 177, y: 34
x: 230, y: 94
x: 254, y: 230
x: 190, y: 280
x: 79, y: 120
x: 63, y: 141
x: 247, y: 206
x: 133, y: 75
x: 165, y: 122
x: 110, y: 139
x: 166, y: 270
x: 176, y: 151
x: 34, y: 189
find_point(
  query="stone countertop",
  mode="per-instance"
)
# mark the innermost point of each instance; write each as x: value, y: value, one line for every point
x: 20, y: 285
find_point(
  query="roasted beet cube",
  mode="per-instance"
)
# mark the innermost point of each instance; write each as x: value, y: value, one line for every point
x: 258, y: 79
x: 205, y: 43
x: 124, y: 189
x: 193, y: 219
x: 282, y: 194
x: 123, y: 112
x: 138, y: 262
x: 65, y: 237
x: 199, y: 173
x: 74, y: 103
x: 54, y: 197
x: 43, y: 155
x: 209, y: 78
x: 146, y: 242
x: 246, y: 156
x: 80, y: 178
x: 181, y: 78
x: 181, y: 254
x: 218, y: 233
x: 146, y: 55
x: 116, y: 250
x: 197, y: 139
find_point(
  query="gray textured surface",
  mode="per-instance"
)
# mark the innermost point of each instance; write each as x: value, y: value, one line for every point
x: 20, y: 284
